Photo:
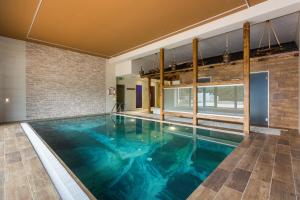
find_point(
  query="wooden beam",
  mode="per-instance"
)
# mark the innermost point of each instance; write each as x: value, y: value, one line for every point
x: 195, y: 80
x: 221, y: 118
x: 179, y: 114
x: 162, y: 66
x: 218, y: 83
x: 246, y: 75
x: 178, y: 86
x: 149, y: 95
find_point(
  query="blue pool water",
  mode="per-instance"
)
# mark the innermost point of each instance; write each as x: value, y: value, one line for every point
x: 118, y: 157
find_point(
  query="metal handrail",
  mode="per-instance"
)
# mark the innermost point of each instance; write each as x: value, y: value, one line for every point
x: 117, y: 106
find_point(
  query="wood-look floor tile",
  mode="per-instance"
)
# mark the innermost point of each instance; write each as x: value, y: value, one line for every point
x: 13, y: 170
x: 263, y: 171
x: 12, y: 157
x: 1, y: 148
x: 46, y: 193
x: 257, y: 189
x: 283, y: 168
x: 295, y: 154
x: 282, y: 191
x: 238, y: 179
x: 269, y: 149
x: 216, y: 179
x: 296, y: 166
x: 248, y: 161
x: 231, y: 161
x: 295, y: 144
x: 246, y: 142
x: 228, y: 193
x: 271, y: 140
x: 28, y: 153
x: 283, y: 141
x: 2, y: 162
x: 284, y: 149
x: 297, y: 184
x: 18, y: 192
x: 202, y: 192
x: 39, y: 180
x: 267, y: 158
x: 258, y: 143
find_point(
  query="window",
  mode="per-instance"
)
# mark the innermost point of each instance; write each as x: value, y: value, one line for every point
x: 221, y: 99
x: 204, y: 79
x: 178, y: 99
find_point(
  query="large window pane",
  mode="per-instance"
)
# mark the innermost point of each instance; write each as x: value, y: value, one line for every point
x: 178, y: 99
x: 225, y: 97
x: 221, y: 100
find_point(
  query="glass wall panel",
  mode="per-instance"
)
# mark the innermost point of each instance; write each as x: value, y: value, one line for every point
x: 221, y: 100
x: 178, y: 99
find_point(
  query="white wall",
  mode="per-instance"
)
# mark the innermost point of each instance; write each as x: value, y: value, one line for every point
x: 12, y: 76
x: 123, y: 68
x: 13, y: 80
x: 110, y: 81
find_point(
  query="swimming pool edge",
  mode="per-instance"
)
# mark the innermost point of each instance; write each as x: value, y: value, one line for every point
x: 65, y: 181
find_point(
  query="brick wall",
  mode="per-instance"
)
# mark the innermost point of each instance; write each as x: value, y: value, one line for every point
x: 61, y: 83
x: 283, y: 84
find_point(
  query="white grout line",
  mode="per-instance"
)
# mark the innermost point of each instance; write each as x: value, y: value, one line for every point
x: 33, y: 19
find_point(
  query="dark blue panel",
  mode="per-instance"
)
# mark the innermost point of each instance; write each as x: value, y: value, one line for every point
x: 259, y: 99
x: 139, y: 97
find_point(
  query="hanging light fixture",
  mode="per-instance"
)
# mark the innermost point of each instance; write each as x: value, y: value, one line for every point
x: 173, y: 63
x: 141, y: 72
x: 269, y: 28
x: 226, y: 55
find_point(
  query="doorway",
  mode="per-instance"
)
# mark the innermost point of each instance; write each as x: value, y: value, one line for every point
x: 139, y: 96
x: 259, y: 102
x: 120, y: 97
x: 152, y: 96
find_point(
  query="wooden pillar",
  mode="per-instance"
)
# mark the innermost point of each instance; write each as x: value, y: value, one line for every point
x: 149, y: 95
x: 162, y: 79
x: 246, y: 74
x: 195, y: 80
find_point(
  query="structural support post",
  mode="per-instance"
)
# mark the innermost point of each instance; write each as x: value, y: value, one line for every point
x: 162, y: 80
x: 149, y: 95
x: 246, y: 74
x: 195, y: 80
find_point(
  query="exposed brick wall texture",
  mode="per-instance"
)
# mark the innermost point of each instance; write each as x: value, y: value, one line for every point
x: 283, y: 84
x: 62, y: 83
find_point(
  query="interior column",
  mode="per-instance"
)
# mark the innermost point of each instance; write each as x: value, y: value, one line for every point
x: 149, y: 95
x: 246, y: 74
x: 162, y: 66
x: 195, y: 80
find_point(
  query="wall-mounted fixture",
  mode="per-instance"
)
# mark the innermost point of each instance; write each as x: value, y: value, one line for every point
x: 7, y: 100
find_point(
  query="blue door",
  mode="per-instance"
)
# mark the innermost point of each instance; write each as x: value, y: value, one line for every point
x: 139, y: 97
x: 259, y: 99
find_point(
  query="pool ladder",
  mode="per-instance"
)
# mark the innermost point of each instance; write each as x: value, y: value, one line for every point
x: 117, y: 106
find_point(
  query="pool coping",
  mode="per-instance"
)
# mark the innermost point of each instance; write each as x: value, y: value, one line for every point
x: 65, y: 181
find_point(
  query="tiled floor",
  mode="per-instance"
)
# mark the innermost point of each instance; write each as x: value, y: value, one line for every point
x: 22, y: 175
x: 262, y: 167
